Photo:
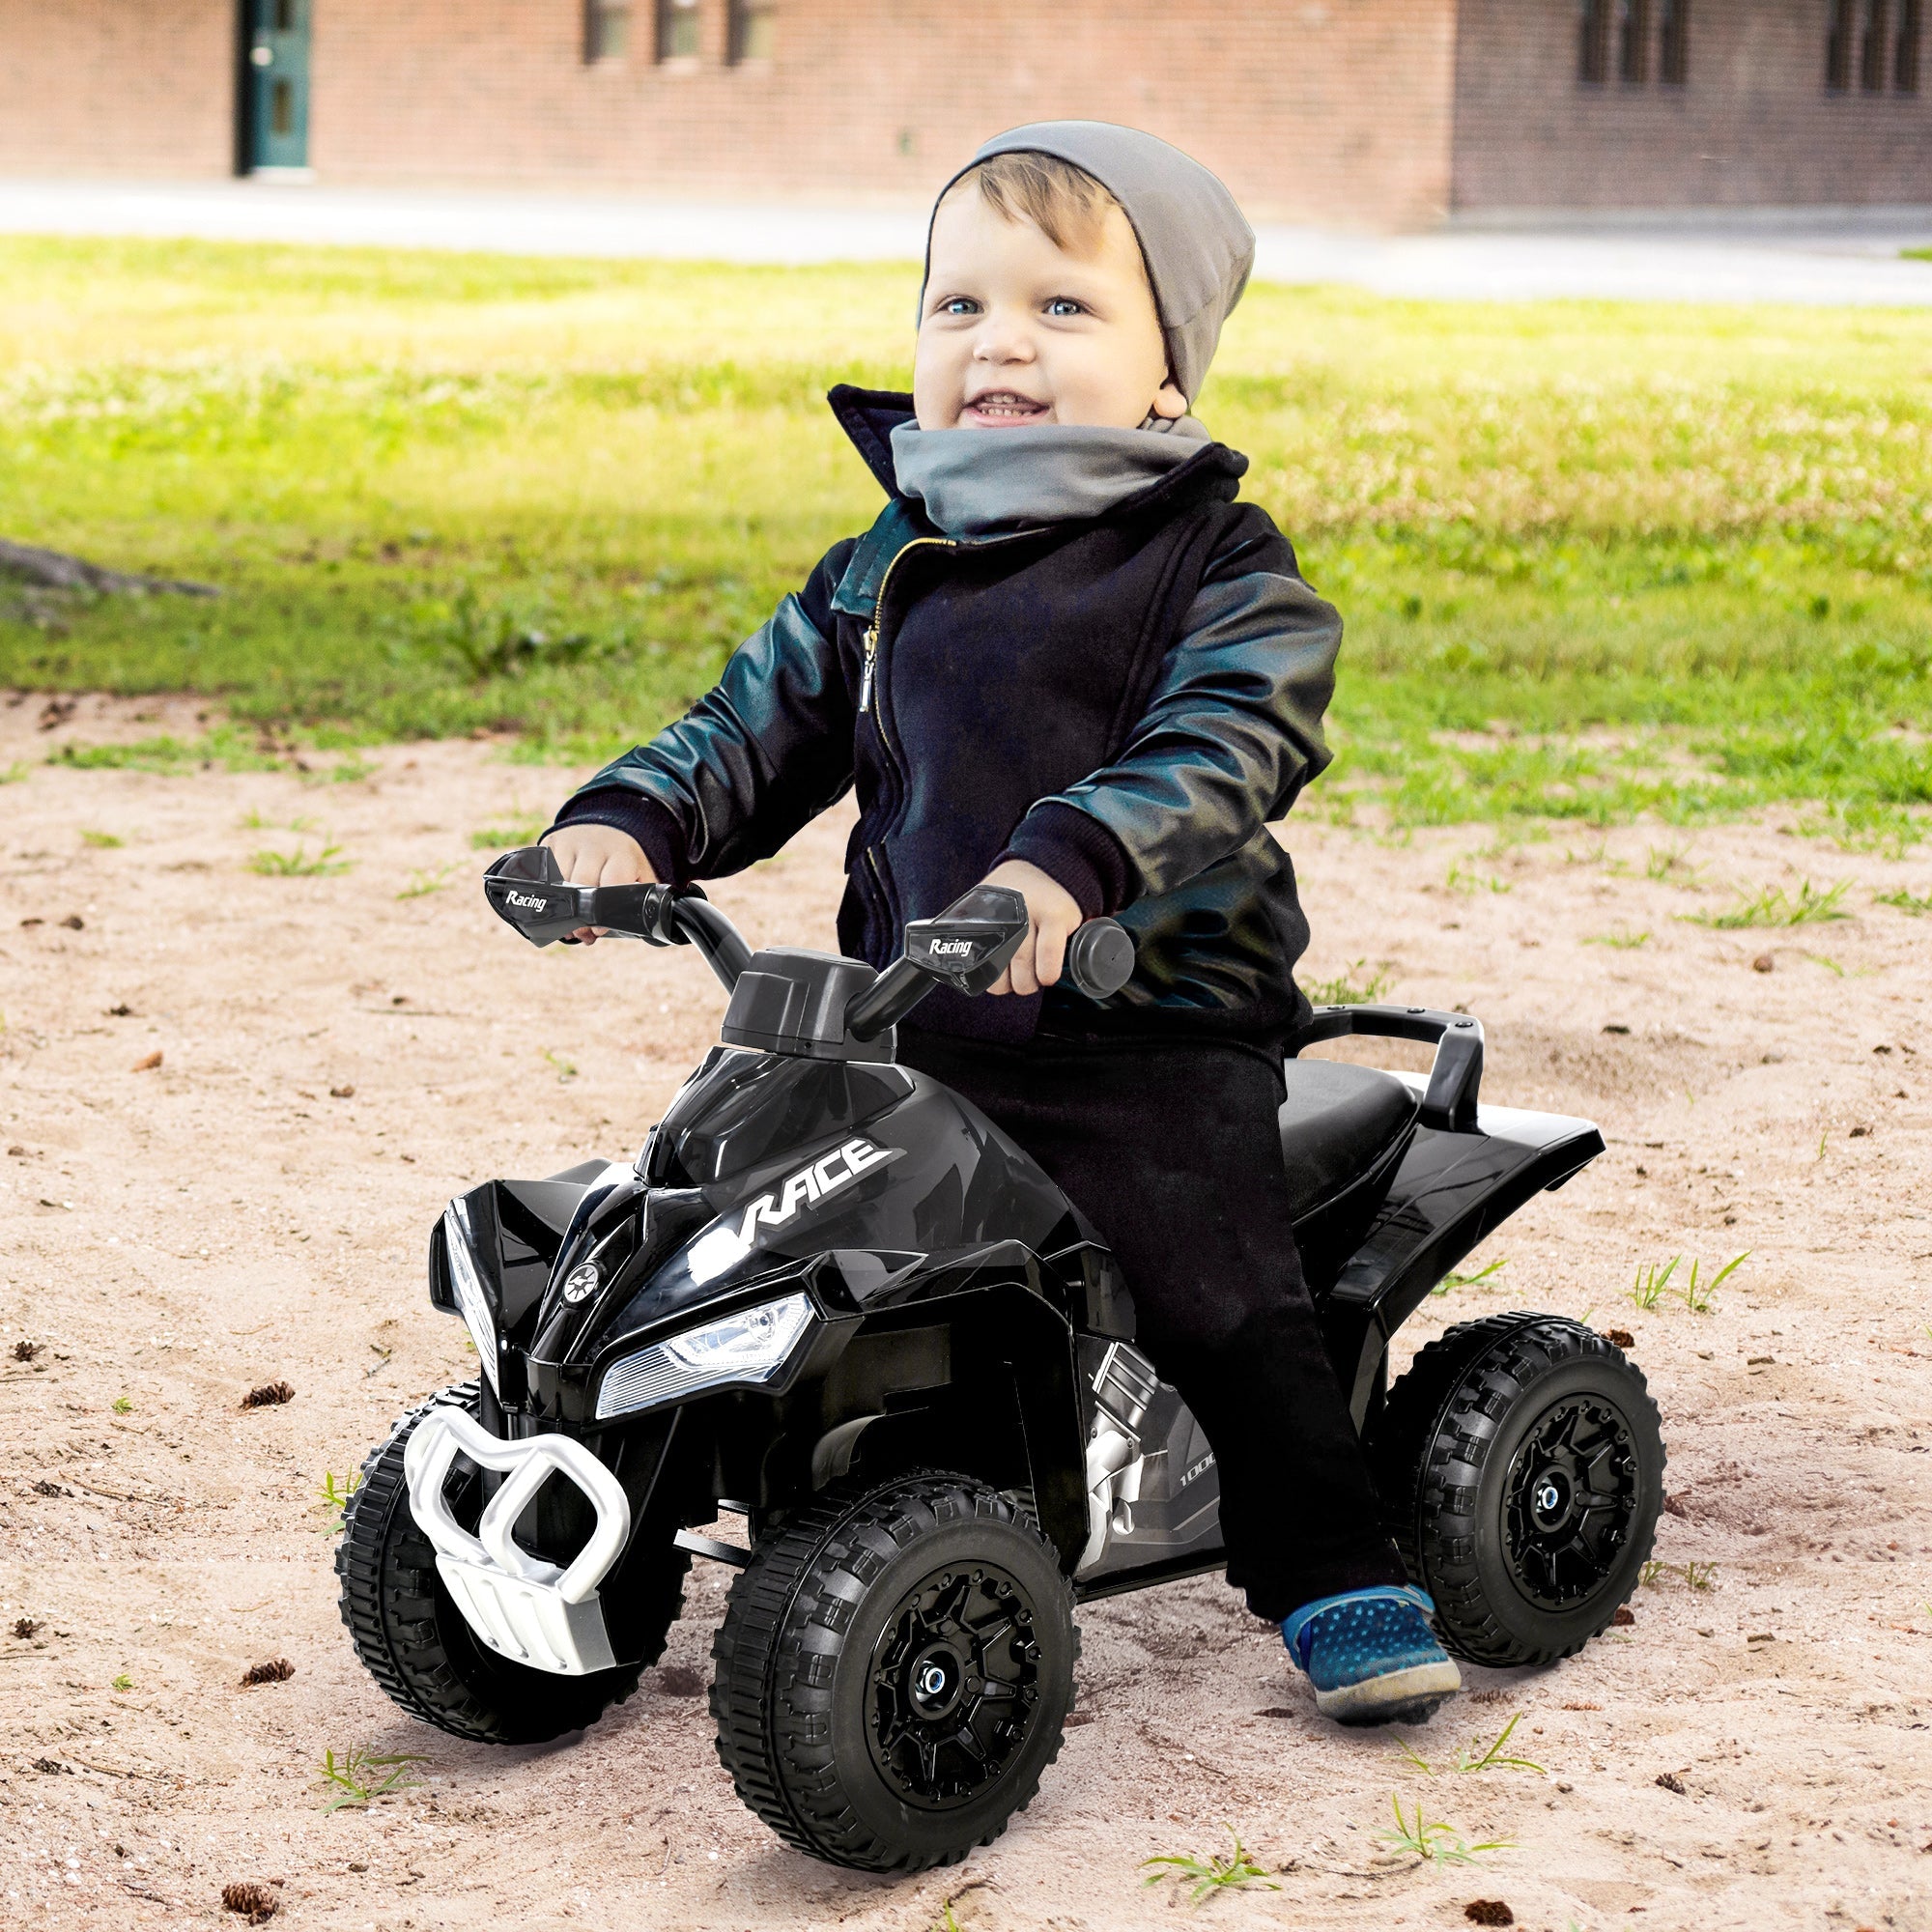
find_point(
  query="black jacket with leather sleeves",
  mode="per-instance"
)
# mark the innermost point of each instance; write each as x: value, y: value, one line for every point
x: 1126, y: 701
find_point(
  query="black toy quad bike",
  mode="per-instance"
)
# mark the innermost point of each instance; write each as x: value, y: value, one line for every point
x: 830, y: 1297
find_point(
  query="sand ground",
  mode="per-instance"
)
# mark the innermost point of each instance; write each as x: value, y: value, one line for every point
x: 337, y: 1059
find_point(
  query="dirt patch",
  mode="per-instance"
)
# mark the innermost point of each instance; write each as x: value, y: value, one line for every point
x: 340, y: 1053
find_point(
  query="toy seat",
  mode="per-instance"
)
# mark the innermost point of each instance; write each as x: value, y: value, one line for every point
x: 1336, y: 1119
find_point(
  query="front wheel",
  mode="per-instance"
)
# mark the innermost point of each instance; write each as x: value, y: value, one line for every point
x: 894, y: 1671
x: 1520, y: 1464
x: 417, y: 1645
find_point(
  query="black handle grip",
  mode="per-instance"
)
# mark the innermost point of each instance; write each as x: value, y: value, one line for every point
x: 528, y: 888
x: 1100, y: 958
x: 966, y: 948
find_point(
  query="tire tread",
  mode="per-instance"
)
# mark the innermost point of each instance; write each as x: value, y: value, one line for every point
x: 779, y: 1750
x: 394, y: 1605
x: 1443, y: 1416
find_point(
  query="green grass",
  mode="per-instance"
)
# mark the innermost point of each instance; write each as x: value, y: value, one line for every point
x: 1693, y: 1576
x: 1435, y: 1842
x: 300, y: 864
x: 1598, y: 560
x: 1475, y: 1756
x: 359, y: 1776
x: 511, y: 837
x: 1696, y: 1291
x: 1455, y: 1281
x: 231, y: 750
x: 1208, y: 1878
x: 1646, y: 1290
x: 423, y: 882
x: 1915, y: 903
x: 1772, y: 905
x: 1670, y: 864
x: 1346, y: 990
x: 333, y: 1500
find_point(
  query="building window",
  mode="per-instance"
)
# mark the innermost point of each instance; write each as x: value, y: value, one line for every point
x: 1633, y: 41
x: 1904, y: 61
x: 607, y: 29
x: 677, y: 30
x: 1593, y: 42
x: 1838, y: 47
x: 753, y: 34
x: 1872, y: 38
x: 1673, y: 49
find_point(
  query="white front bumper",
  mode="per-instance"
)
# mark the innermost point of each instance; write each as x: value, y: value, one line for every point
x: 523, y: 1607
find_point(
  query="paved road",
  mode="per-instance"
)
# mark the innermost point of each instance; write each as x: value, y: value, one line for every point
x: 1793, y: 255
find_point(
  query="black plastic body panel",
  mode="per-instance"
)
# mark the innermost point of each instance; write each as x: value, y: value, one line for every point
x: 1451, y: 1191
x: 1328, y: 1237
x: 965, y: 1309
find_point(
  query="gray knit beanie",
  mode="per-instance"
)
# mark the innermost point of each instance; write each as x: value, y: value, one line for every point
x: 1197, y: 245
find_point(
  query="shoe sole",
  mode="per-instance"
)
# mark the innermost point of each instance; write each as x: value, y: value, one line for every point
x: 1410, y: 1696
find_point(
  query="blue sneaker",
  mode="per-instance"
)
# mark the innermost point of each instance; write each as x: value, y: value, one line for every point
x: 1372, y: 1657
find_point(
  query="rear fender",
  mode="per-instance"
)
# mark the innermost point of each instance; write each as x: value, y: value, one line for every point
x: 1326, y: 1238
x: 1452, y: 1190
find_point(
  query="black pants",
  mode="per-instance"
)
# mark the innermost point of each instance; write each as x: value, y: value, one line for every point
x: 1172, y: 1151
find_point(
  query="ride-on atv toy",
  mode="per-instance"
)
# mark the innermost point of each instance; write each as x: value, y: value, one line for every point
x: 830, y: 1297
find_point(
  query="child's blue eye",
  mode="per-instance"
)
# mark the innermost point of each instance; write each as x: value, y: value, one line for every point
x: 1065, y: 305
x: 960, y: 305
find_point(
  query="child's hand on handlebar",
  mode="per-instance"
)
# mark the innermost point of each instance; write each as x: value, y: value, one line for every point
x: 1053, y: 916
x: 600, y: 855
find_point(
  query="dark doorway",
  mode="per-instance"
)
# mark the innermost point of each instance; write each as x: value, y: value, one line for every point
x: 275, y: 85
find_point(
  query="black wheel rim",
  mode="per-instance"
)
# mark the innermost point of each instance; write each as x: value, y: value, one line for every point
x: 1572, y: 1495
x: 954, y: 1686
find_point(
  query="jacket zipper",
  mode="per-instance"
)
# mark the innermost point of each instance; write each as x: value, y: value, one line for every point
x: 873, y: 859
x: 874, y: 853
x: 872, y: 636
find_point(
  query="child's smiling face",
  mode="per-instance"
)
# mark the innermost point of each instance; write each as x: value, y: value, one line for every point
x: 1015, y: 331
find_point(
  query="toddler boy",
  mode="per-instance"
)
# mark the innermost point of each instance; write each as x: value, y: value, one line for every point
x: 1065, y: 660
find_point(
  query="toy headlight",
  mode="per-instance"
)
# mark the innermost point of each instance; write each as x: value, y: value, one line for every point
x: 747, y: 1349
x: 471, y: 1302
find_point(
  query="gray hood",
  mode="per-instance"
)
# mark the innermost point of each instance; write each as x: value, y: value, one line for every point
x: 1193, y: 239
x: 984, y: 482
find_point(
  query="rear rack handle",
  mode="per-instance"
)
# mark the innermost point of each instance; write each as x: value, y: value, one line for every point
x: 1455, y: 1080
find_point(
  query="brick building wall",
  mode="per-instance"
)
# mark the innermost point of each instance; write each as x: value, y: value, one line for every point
x: 1287, y: 101
x: 1754, y: 122
x: 117, y: 87
x: 1380, y: 111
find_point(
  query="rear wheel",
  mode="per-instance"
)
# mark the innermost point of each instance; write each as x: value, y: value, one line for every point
x: 894, y: 1671
x: 1521, y: 1465
x: 418, y: 1645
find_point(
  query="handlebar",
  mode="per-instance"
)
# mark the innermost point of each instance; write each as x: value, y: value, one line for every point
x: 528, y: 888
x: 967, y: 947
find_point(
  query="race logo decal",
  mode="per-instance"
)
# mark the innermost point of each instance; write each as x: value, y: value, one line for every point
x: 810, y: 1186
x: 730, y: 1242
